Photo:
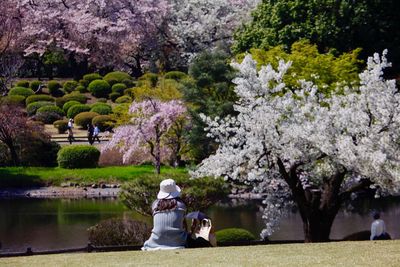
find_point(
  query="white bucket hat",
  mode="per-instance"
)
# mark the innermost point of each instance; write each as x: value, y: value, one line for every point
x: 168, y: 189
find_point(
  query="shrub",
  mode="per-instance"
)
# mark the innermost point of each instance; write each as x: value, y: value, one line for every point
x: 32, y: 108
x: 102, y: 109
x: 118, y: 232
x: 13, y: 100
x: 175, y: 75
x: 54, y: 88
x: 84, y: 118
x: 34, y: 85
x: 47, y: 156
x: 69, y: 104
x: 22, y: 83
x: 118, y: 88
x: 198, y: 194
x: 123, y: 99
x: 76, y: 109
x: 78, y: 156
x: 37, y: 98
x: 72, y: 96
x: 81, y: 89
x: 61, y: 126
x: 113, y: 96
x: 84, y: 82
x: 117, y: 77
x: 21, y: 91
x: 70, y: 86
x: 48, y: 114
x: 88, y: 78
x: 104, y: 122
x: 130, y: 92
x: 234, y: 235
x: 129, y: 83
x: 151, y: 77
x: 99, y: 88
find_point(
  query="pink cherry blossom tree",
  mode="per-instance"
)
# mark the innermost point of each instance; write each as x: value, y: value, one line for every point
x: 147, y: 131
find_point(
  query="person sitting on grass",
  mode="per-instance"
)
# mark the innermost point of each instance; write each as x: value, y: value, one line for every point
x: 378, y: 228
x: 169, y: 225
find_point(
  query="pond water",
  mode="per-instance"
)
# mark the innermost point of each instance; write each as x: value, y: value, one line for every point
x: 46, y: 224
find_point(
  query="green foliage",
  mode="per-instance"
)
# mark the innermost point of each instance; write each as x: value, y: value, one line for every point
x: 69, y: 104
x: 129, y: 82
x: 76, y: 109
x: 37, y: 98
x: 113, y: 96
x: 22, y: 83
x: 148, y: 77
x: 32, y: 108
x: 175, y: 75
x: 163, y: 89
x: 61, y: 126
x: 81, y: 89
x: 119, y: 232
x: 70, y: 86
x: 102, y: 109
x: 49, y: 114
x: 342, y: 25
x: 234, y: 235
x: 88, y: 78
x: 209, y: 91
x: 120, y: 114
x: 118, y: 88
x: 13, y: 100
x: 104, y: 122
x: 34, y: 85
x: 198, y: 194
x: 78, y: 156
x: 69, y: 97
x: 21, y: 91
x: 54, y: 87
x: 116, y: 77
x: 102, y: 100
x: 47, y: 156
x: 99, y: 88
x: 323, y: 69
x: 84, y: 118
x: 123, y: 99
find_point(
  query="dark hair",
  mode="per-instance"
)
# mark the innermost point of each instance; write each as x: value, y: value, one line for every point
x: 377, y: 215
x: 167, y: 204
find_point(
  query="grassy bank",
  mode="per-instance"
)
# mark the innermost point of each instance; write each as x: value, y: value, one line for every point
x: 33, y: 176
x: 365, y: 253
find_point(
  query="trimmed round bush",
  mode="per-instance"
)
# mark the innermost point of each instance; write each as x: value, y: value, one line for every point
x: 69, y: 104
x: 99, y: 88
x: 34, y: 85
x: 61, y: 126
x: 102, y: 109
x: 78, y: 156
x: 116, y: 77
x: 234, y: 235
x: 99, y: 104
x: 13, y: 100
x: 104, y: 122
x: 129, y: 83
x: 91, y: 77
x: 175, y: 75
x: 81, y: 89
x: 54, y: 87
x: 49, y: 114
x: 129, y: 92
x: 32, y: 108
x: 72, y: 96
x: 22, y: 83
x: 76, y: 109
x: 70, y: 86
x: 51, y: 108
x: 84, y: 82
x: 21, y: 91
x: 84, y: 118
x: 113, y: 96
x: 118, y: 88
x: 123, y: 99
x: 37, y: 98
x: 151, y: 77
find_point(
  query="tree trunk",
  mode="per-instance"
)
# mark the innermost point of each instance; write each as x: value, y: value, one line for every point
x: 158, y: 154
x: 14, y: 155
x: 317, y: 226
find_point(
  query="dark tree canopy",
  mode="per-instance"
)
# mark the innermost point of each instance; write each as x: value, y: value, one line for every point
x: 339, y: 24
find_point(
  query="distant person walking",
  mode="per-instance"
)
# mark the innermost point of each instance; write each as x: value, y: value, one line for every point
x: 70, y: 132
x: 96, y: 132
x: 90, y: 133
x: 378, y: 228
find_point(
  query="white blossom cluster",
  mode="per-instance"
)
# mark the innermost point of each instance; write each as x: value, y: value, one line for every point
x: 356, y: 132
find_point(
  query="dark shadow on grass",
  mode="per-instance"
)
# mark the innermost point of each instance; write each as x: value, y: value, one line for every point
x: 9, y: 179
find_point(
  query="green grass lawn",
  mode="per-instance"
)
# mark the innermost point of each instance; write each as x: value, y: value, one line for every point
x: 34, y: 176
x: 364, y: 253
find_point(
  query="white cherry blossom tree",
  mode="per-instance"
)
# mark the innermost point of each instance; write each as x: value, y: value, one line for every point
x: 305, y: 147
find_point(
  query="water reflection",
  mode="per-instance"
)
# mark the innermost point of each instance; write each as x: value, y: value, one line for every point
x: 62, y: 223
